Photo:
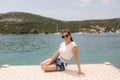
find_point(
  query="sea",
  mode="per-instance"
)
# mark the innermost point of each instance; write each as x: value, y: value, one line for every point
x: 32, y: 49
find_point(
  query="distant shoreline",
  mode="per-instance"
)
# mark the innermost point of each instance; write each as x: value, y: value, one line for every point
x: 27, y: 23
x: 60, y: 33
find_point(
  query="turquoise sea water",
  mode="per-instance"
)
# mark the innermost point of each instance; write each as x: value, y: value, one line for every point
x: 31, y: 49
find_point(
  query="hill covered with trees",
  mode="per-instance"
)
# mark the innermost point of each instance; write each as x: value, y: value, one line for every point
x: 27, y: 23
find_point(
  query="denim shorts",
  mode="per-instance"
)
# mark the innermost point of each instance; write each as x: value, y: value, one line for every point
x: 59, y: 64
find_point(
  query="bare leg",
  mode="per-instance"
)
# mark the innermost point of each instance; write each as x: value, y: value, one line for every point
x: 45, y: 62
x: 50, y: 68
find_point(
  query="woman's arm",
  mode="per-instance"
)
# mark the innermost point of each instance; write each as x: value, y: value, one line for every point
x: 75, y: 55
x: 55, y: 56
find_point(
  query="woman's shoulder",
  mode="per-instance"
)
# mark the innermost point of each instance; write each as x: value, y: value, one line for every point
x: 62, y: 43
x: 74, y: 43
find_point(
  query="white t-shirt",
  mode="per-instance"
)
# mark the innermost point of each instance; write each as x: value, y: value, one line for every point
x: 66, y: 50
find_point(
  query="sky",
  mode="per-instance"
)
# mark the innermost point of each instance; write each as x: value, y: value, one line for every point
x: 66, y: 10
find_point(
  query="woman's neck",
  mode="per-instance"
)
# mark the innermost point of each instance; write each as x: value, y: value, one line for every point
x: 68, y: 42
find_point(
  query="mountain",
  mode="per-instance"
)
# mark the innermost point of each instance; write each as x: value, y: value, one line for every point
x: 27, y: 23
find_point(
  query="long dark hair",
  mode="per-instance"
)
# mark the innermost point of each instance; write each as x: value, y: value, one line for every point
x: 68, y: 33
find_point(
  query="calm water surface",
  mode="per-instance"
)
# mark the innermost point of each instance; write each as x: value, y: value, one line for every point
x: 31, y: 49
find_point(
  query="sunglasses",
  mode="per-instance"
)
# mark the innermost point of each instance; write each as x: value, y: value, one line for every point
x: 65, y: 36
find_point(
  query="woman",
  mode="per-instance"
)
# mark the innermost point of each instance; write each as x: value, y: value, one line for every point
x: 59, y: 61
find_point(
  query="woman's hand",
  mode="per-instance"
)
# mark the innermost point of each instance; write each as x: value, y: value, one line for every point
x: 80, y: 73
x: 48, y: 63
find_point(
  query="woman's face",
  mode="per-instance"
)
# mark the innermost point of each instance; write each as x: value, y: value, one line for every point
x: 66, y: 36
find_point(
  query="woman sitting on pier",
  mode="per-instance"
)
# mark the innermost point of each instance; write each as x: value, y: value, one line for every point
x: 60, y: 59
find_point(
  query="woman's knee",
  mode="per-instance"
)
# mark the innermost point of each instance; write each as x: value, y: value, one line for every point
x: 42, y: 63
x: 49, y: 68
x: 44, y: 68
